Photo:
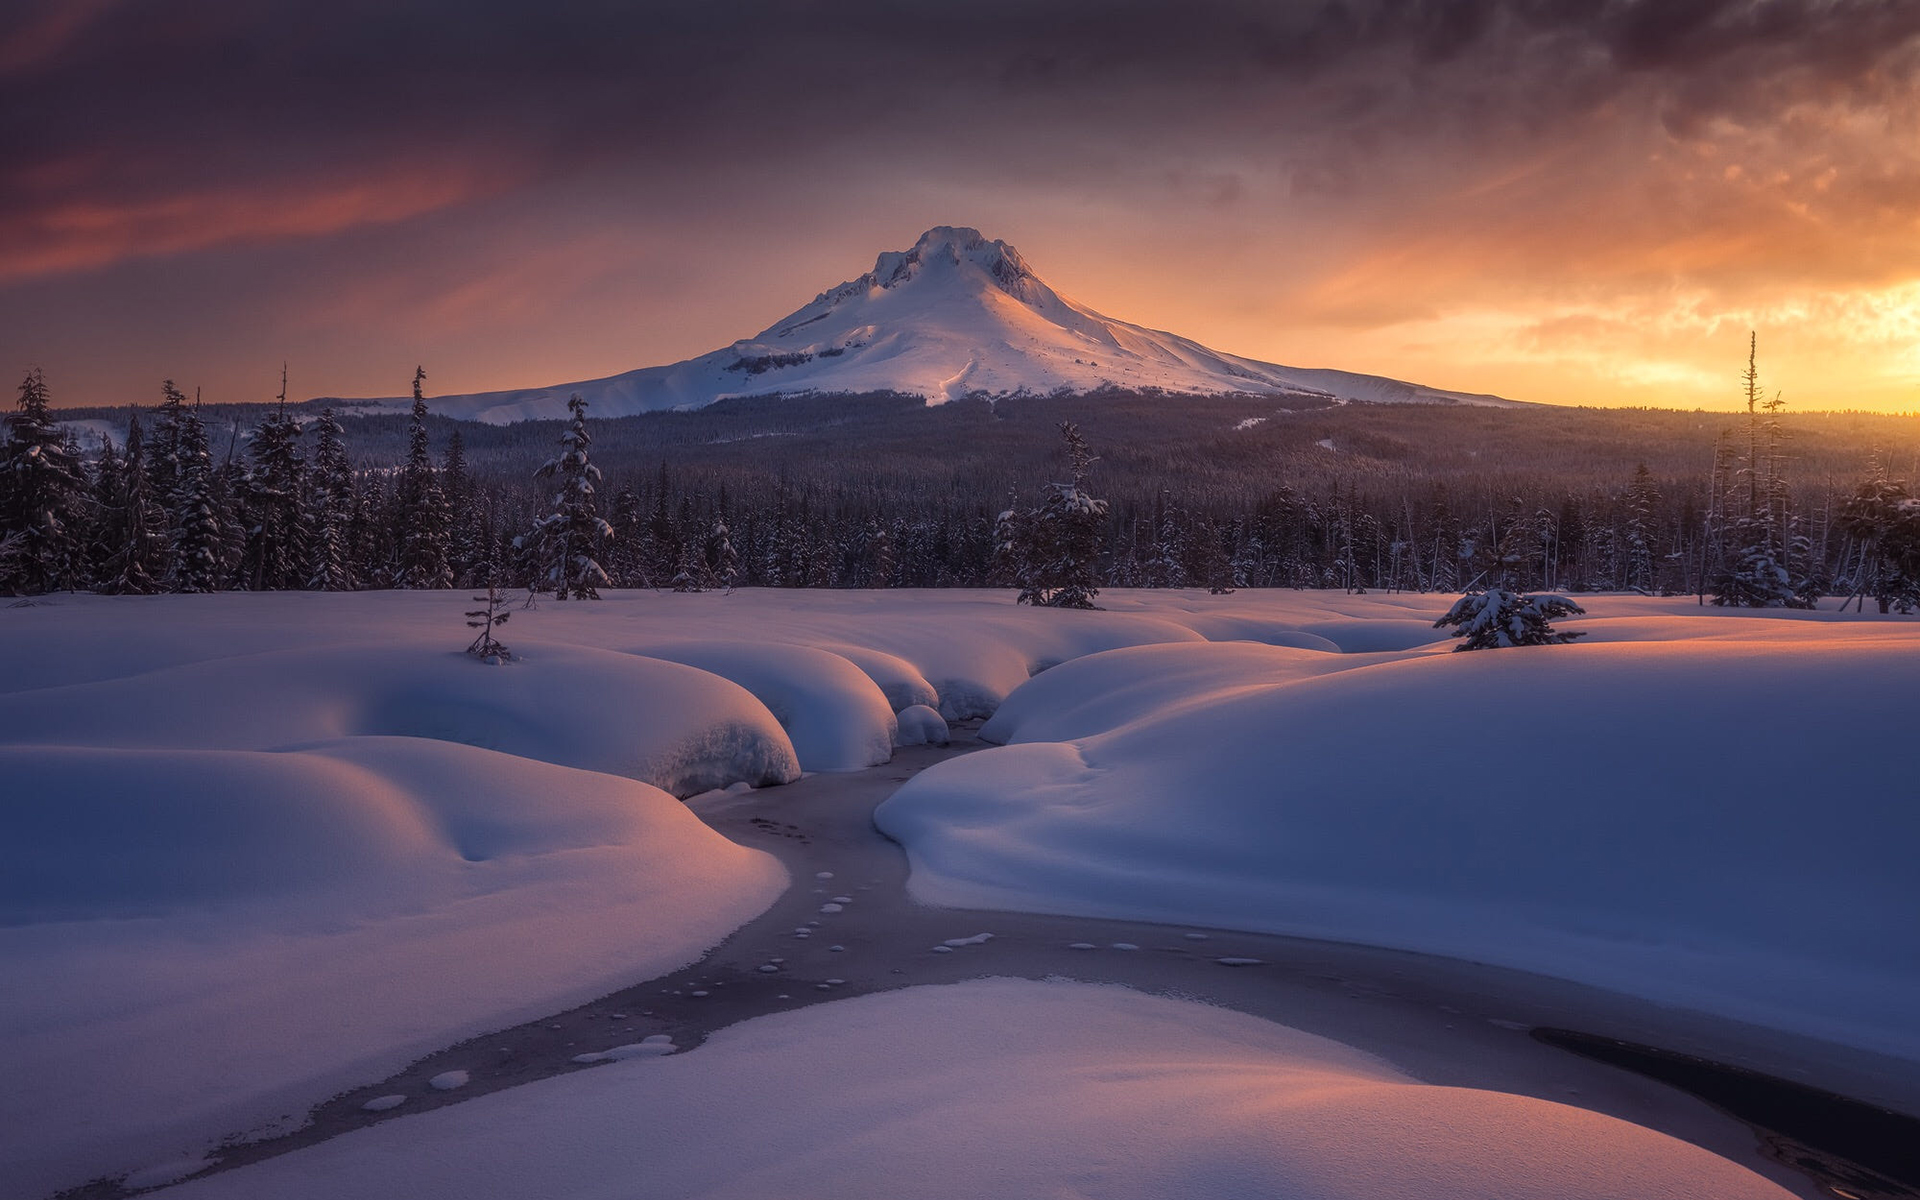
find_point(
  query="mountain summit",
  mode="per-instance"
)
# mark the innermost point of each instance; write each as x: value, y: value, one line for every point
x: 956, y: 315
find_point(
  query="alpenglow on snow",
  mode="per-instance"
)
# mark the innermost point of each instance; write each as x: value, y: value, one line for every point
x: 957, y: 315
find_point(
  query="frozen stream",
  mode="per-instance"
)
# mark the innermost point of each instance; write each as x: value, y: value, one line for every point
x: 1443, y: 1021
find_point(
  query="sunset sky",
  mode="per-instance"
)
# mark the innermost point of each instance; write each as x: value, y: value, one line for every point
x: 1576, y: 201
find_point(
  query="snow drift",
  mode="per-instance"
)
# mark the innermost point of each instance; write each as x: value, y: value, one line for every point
x: 1661, y: 818
x: 1002, y: 1088
x: 200, y: 940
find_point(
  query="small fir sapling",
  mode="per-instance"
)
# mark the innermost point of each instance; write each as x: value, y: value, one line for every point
x: 485, y: 646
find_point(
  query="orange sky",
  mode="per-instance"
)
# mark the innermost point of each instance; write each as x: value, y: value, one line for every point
x: 1574, y: 202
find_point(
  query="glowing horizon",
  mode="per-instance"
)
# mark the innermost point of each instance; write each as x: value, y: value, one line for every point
x: 1570, y: 204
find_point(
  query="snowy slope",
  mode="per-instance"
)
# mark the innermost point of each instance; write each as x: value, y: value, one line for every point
x: 1001, y: 1087
x: 957, y: 315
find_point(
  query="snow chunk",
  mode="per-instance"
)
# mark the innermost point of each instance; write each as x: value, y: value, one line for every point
x: 447, y: 1081
x: 383, y: 1103
x: 922, y: 726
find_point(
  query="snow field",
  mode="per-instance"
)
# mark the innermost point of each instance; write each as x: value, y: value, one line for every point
x: 257, y: 848
x: 260, y: 847
x: 193, y: 941
x: 1001, y: 1088
x: 1714, y: 821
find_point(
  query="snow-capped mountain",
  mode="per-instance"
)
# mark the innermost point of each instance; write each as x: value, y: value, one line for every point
x: 957, y: 315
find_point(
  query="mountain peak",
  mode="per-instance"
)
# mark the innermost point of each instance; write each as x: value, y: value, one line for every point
x: 955, y: 315
x: 946, y: 248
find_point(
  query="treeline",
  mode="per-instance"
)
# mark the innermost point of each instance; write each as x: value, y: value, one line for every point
x: 287, y: 507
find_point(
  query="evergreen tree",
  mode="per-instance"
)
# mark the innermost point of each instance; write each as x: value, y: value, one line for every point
x: 1499, y: 618
x: 106, y: 495
x: 490, y: 616
x: 690, y: 575
x: 424, y: 518
x: 329, y: 566
x: 1881, y: 522
x: 163, y: 458
x: 1757, y: 570
x: 464, y: 536
x: 565, y: 541
x: 723, y: 561
x: 1643, y: 500
x: 625, y: 564
x: 276, y: 556
x: 136, y: 538
x: 662, y: 556
x: 198, y: 531
x: 1053, y: 550
x: 369, y: 534
x: 43, y: 497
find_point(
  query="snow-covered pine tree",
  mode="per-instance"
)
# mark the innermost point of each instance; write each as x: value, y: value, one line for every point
x: 135, y: 534
x: 106, y: 492
x: 723, y: 561
x: 1167, y: 567
x: 198, y: 527
x: 1498, y: 618
x: 566, y: 541
x: 1643, y: 499
x: 275, y: 504
x: 1053, y: 551
x: 878, y: 554
x: 163, y: 452
x: 370, y: 534
x: 1758, y: 570
x: 1881, y: 523
x: 43, y: 496
x: 329, y: 566
x: 691, y: 574
x: 424, y: 518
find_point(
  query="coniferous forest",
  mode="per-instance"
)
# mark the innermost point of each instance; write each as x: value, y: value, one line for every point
x: 1754, y: 507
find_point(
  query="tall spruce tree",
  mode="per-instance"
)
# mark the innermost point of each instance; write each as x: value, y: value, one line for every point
x: 567, y: 540
x: 43, y: 497
x: 136, y: 527
x: 275, y: 504
x: 198, y: 528
x: 423, y: 513
x: 1757, y: 570
x: 1052, y: 551
x: 329, y: 566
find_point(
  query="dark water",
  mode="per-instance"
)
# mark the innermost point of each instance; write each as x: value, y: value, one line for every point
x: 1852, y: 1149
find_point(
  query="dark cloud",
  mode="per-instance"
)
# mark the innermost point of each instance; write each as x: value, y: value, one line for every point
x: 1518, y: 136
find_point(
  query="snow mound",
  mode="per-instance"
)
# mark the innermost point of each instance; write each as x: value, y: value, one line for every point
x: 680, y: 729
x: 955, y: 315
x: 1002, y: 1088
x: 898, y: 680
x: 921, y: 726
x: 1657, y: 818
x: 836, y: 715
x: 201, y: 940
x: 1104, y: 691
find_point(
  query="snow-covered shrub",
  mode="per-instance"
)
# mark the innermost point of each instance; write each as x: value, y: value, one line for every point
x: 1498, y: 618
